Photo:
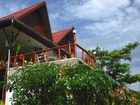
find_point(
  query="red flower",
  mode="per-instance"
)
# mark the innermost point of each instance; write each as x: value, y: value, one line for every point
x: 21, y: 56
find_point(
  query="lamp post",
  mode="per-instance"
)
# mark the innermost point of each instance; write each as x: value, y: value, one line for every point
x: 94, y: 53
x: 8, y: 65
x: 9, y: 50
x: 75, y: 52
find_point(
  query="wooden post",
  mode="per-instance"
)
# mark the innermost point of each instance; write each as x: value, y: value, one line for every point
x: 83, y: 55
x: 116, y: 91
x: 35, y: 57
x: 14, y: 62
x: 134, y: 101
x: 59, y: 54
x: 94, y: 58
x: 47, y: 56
x: 69, y: 47
x: 75, y: 51
x: 23, y: 58
x: 92, y: 61
x: 89, y: 59
x: 7, y: 73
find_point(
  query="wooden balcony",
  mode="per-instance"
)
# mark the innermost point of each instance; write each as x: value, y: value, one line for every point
x: 53, y: 54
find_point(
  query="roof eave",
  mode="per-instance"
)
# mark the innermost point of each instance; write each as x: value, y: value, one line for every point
x: 29, y: 31
x: 70, y: 30
x: 42, y: 39
x: 5, y: 22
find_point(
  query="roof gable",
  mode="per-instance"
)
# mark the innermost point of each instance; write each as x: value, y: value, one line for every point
x: 36, y: 17
x: 58, y: 36
x: 24, y: 12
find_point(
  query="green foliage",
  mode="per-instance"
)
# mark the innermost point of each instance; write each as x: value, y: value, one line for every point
x: 117, y: 62
x: 51, y: 84
x: 130, y: 78
x: 17, y: 48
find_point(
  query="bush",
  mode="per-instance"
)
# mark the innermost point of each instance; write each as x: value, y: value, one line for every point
x: 51, y: 84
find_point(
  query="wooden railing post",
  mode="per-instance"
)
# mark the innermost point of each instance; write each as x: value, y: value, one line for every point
x: 134, y: 101
x: 83, y: 55
x: 94, y: 59
x: 35, y: 57
x: 75, y: 51
x: 116, y: 92
x: 47, y: 56
x: 88, y: 59
x: 86, y: 56
x: 69, y: 47
x: 23, y: 59
x: 59, y: 54
x: 14, y: 62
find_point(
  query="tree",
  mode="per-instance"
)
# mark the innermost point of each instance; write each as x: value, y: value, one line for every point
x: 51, y: 84
x: 116, y: 64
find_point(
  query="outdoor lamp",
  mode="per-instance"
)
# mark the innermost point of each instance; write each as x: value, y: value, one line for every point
x: 74, y: 31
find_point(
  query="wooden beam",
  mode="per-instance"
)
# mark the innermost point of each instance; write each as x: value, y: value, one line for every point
x: 6, y: 36
x: 15, y: 36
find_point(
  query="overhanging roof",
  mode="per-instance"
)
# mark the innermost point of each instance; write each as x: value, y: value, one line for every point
x: 20, y: 14
x: 58, y: 36
x: 23, y: 20
x: 29, y: 31
x: 35, y: 16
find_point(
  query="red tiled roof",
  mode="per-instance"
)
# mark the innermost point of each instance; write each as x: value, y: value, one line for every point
x: 24, y: 12
x: 57, y: 36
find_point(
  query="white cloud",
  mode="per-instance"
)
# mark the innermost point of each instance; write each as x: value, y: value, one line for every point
x: 3, y: 12
x: 137, y: 3
x: 105, y: 28
x: 55, y: 15
x: 13, y: 7
x: 97, y: 9
x: 115, y: 21
x: 107, y: 17
x: 8, y: 8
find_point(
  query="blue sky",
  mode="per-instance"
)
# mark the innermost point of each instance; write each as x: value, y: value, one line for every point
x: 107, y: 23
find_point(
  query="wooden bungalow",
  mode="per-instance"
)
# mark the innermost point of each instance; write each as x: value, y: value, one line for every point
x: 28, y: 36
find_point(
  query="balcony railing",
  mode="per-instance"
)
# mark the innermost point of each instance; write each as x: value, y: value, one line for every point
x: 45, y: 55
